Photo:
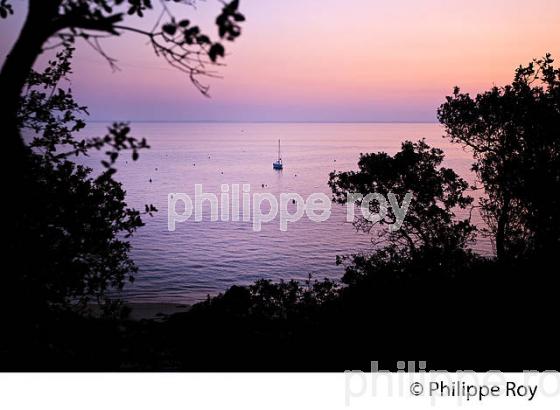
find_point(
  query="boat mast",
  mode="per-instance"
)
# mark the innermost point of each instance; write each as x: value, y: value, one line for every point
x: 279, y: 157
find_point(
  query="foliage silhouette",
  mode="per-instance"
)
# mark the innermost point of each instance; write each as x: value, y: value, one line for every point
x: 178, y: 41
x: 5, y: 9
x: 514, y: 135
x: 67, y: 234
x: 430, y: 229
x: 74, y: 224
x: 436, y: 193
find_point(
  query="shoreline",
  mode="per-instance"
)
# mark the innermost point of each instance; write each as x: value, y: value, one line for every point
x: 148, y: 310
x: 151, y: 311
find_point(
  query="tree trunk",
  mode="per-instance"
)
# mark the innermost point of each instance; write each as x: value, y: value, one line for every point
x: 16, y: 159
x: 36, y: 31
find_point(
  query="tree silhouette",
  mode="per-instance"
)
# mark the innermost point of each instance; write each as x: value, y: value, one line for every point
x: 72, y: 231
x: 514, y: 135
x: 89, y: 214
x: 430, y: 230
x: 436, y: 192
x: 180, y: 42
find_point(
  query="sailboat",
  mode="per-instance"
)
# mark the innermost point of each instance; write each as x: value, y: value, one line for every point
x: 278, y: 163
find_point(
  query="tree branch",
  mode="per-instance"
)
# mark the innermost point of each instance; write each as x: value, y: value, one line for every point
x: 80, y: 21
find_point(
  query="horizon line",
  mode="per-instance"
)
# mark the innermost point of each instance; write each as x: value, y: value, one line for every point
x: 262, y: 121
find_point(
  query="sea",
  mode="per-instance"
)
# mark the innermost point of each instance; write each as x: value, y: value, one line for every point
x: 205, y: 257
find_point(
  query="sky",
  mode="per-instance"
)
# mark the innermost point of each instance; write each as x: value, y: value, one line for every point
x: 320, y: 60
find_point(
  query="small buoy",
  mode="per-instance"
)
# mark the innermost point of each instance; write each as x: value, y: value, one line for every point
x: 150, y: 180
x: 156, y: 169
x: 293, y: 201
x: 262, y: 185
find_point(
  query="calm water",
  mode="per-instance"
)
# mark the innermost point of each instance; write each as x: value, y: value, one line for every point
x: 201, y: 258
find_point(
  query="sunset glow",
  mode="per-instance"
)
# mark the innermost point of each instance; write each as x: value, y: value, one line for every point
x: 327, y: 61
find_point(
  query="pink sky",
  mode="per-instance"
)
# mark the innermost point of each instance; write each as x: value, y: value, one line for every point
x: 328, y: 60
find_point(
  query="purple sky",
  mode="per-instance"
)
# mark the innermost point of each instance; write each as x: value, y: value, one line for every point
x: 329, y: 60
